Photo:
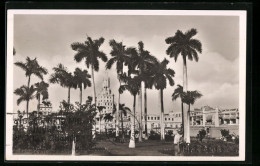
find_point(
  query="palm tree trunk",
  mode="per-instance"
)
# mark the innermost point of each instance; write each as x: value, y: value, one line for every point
x: 80, y: 96
x: 122, y: 126
x: 182, y: 117
x: 39, y: 101
x: 145, y: 114
x: 117, y: 112
x: 162, y: 115
x: 140, y: 113
x: 27, y: 104
x: 69, y: 95
x: 94, y: 87
x: 73, y: 146
x: 27, y: 110
x: 185, y: 106
x: 132, y: 138
x: 100, y: 122
x: 29, y: 79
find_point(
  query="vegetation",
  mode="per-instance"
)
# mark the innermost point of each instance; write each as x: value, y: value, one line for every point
x: 160, y: 78
x: 202, y: 133
x: 89, y: 50
x: 31, y: 67
x: 43, y: 133
x: 188, y: 47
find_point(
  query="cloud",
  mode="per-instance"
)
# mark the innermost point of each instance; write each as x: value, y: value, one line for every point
x: 215, y: 75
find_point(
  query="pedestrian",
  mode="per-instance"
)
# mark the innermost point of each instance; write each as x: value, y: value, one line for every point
x: 176, y: 143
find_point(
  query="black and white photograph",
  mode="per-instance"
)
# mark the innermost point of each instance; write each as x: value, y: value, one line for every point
x: 124, y: 85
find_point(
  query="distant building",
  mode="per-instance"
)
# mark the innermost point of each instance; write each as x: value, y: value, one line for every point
x: 207, y: 116
x: 46, y: 109
x: 106, y: 99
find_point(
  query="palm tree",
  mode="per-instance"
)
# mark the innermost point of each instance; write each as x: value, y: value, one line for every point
x: 144, y: 61
x: 31, y: 67
x: 133, y: 86
x: 64, y: 78
x: 108, y: 118
x: 41, y: 89
x: 46, y: 103
x: 120, y: 56
x: 123, y: 111
x: 184, y: 44
x: 100, y: 108
x: 82, y: 78
x: 178, y: 93
x: 160, y: 77
x: 90, y: 51
x: 191, y: 96
x: 26, y: 94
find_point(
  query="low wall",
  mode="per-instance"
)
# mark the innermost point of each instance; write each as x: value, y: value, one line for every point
x: 214, y: 131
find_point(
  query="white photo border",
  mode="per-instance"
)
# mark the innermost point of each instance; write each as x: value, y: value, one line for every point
x: 242, y: 14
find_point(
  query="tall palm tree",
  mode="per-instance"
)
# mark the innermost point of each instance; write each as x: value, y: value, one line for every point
x: 120, y: 56
x: 25, y: 94
x: 41, y: 89
x: 133, y: 86
x: 32, y: 67
x: 64, y: 78
x: 123, y: 112
x: 190, y: 97
x: 82, y: 78
x: 160, y: 77
x: 108, y: 118
x: 89, y: 50
x: 188, y: 47
x: 100, y: 108
x: 144, y: 61
x: 178, y: 93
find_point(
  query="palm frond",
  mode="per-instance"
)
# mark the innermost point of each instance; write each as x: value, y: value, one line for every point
x: 102, y: 55
x: 196, y: 44
x: 190, y: 33
x: 110, y: 62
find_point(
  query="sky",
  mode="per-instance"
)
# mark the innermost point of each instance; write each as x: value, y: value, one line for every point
x: 215, y: 75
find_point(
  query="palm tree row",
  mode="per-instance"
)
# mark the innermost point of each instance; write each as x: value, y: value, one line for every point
x: 80, y: 79
x: 26, y: 93
x: 144, y: 70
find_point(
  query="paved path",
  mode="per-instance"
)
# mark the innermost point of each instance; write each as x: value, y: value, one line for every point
x: 146, y: 148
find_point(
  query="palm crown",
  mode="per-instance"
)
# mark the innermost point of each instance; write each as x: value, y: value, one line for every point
x: 184, y: 44
x: 82, y: 78
x: 42, y: 89
x: 90, y: 51
x: 162, y: 74
x: 25, y: 93
x: 62, y: 77
x: 31, y: 66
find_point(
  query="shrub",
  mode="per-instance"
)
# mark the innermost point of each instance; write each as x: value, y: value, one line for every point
x: 168, y: 136
x: 154, y: 136
x: 202, y: 133
x: 224, y: 133
x: 211, y: 148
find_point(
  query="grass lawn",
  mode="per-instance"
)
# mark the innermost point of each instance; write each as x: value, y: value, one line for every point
x: 145, y: 148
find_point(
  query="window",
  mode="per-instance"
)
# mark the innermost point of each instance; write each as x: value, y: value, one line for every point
x: 158, y: 118
x: 165, y: 119
x: 148, y: 118
x: 151, y: 118
x: 172, y: 119
x: 169, y: 118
